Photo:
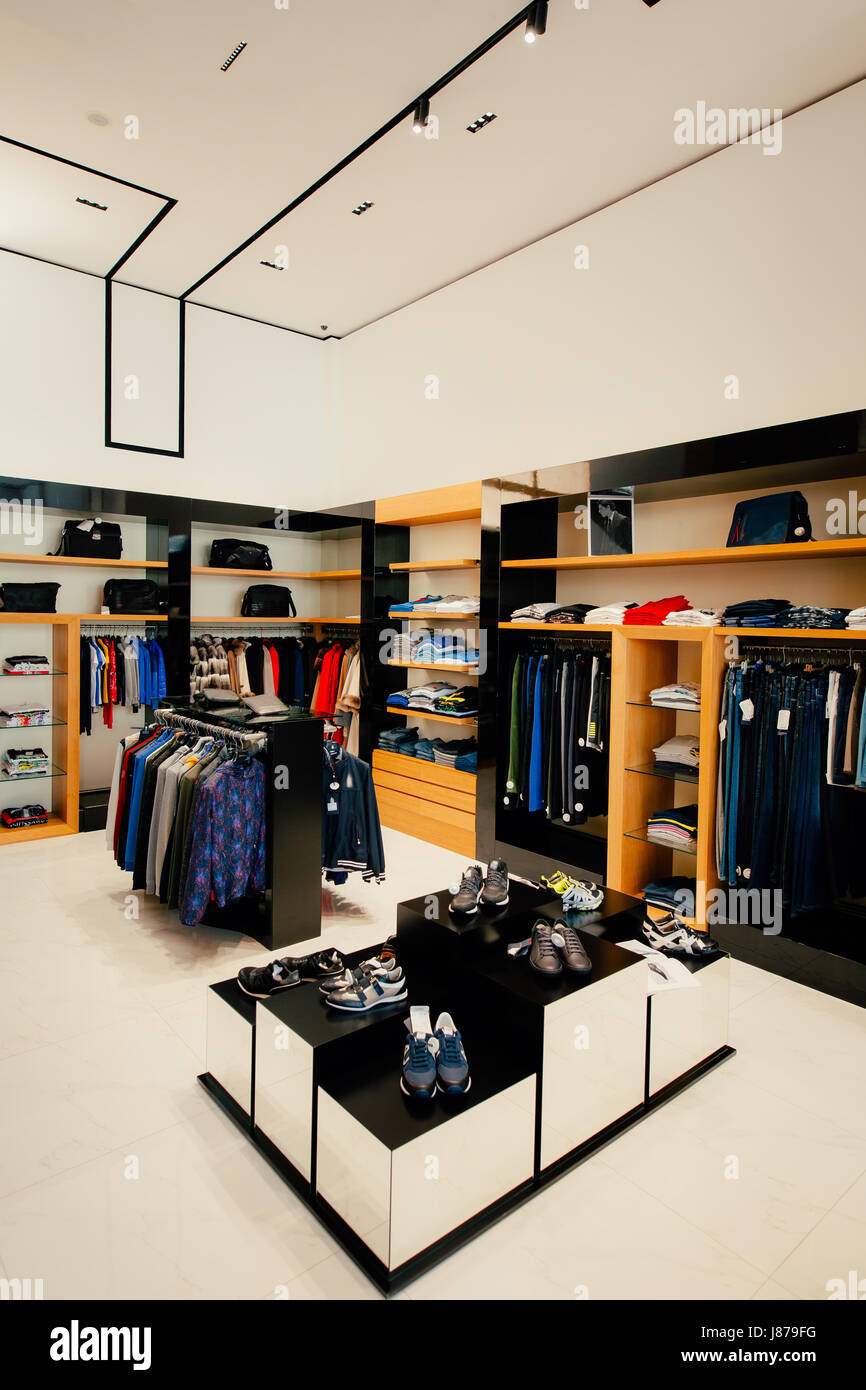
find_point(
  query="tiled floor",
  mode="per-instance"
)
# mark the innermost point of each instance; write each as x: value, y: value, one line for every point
x: 120, y: 1178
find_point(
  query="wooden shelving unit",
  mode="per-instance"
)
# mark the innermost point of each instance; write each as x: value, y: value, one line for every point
x: 810, y: 550
x: 24, y: 558
x: 429, y: 566
x: 63, y: 656
x: 469, y: 666
x: 265, y: 576
x: 457, y: 720
x: 468, y: 619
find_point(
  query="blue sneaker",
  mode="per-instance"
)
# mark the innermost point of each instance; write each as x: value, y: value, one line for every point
x: 452, y: 1068
x: 419, y: 1064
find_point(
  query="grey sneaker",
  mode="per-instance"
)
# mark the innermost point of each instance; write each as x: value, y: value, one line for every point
x: 543, y: 955
x: 572, y: 950
x: 380, y: 965
x: 495, y: 890
x: 373, y: 992
x: 261, y: 981
x: 452, y: 1068
x: 464, y: 903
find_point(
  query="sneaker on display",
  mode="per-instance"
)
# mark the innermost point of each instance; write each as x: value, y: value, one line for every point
x: 543, y: 955
x: 571, y: 949
x: 419, y: 1063
x: 370, y: 993
x: 670, y: 933
x: 452, y: 1068
x: 379, y: 965
x: 464, y: 901
x: 262, y: 981
x: 577, y: 894
x: 495, y: 890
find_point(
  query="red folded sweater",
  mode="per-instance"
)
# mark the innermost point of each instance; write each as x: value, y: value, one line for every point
x: 652, y: 614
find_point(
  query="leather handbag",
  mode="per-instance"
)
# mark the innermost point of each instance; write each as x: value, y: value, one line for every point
x: 29, y: 598
x: 781, y: 518
x: 92, y: 538
x: 268, y: 601
x: 131, y: 596
x: 239, y: 555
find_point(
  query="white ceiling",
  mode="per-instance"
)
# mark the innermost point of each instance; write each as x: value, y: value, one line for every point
x: 584, y: 116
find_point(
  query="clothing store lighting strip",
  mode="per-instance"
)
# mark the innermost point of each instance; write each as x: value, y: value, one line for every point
x: 273, y: 265
x: 481, y: 122
x: 100, y: 207
x: 224, y: 67
x: 362, y: 207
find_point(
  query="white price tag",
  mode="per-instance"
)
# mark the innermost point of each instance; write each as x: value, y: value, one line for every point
x: 783, y: 723
x: 723, y: 730
x: 748, y: 711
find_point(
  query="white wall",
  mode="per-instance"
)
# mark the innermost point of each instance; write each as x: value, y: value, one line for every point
x: 256, y: 419
x: 744, y: 263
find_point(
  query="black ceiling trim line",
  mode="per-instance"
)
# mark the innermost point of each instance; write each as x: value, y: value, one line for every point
x: 46, y: 260
x: 142, y: 236
x: 407, y: 111
x: 181, y: 382
x: 85, y: 168
x: 602, y: 207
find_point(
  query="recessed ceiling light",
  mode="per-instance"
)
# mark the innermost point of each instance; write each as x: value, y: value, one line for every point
x: 224, y: 67
x: 97, y: 118
x: 272, y: 264
x: 480, y: 122
x: 362, y: 207
x: 100, y: 207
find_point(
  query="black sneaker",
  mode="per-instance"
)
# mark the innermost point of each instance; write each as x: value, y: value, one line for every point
x: 261, y: 981
x: 543, y: 955
x: 572, y: 951
x: 464, y: 903
x: 495, y: 890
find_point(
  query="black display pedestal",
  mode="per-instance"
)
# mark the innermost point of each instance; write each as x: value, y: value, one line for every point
x: 558, y: 1069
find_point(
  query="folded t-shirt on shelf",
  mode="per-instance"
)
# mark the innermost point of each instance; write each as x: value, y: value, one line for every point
x: 694, y: 617
x: 654, y: 613
x: 19, y: 716
x: 413, y: 604
x: 677, y: 827
x: 805, y: 615
x: 25, y: 665
x: 683, y: 750
x: 609, y: 612
x: 534, y: 613
x: 856, y: 619
x: 755, y: 612
x: 570, y: 613
x: 677, y: 695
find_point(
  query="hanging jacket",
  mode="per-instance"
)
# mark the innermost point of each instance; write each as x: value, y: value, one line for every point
x: 351, y: 834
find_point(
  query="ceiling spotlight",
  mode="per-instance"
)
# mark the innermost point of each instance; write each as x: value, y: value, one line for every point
x: 100, y: 207
x: 362, y: 207
x: 422, y: 115
x: 536, y: 20
x: 480, y: 122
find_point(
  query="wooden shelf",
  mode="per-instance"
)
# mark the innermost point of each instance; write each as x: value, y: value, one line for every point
x: 563, y: 627
x: 469, y: 619
x: 436, y: 665
x: 268, y: 622
x: 420, y: 566
x: 55, y: 825
x: 35, y: 617
x: 85, y: 561
x: 460, y: 502
x: 813, y: 634
x: 438, y: 718
x: 119, y: 617
x: 267, y: 575
x: 846, y: 547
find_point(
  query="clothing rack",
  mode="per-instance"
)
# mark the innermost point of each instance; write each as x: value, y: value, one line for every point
x: 171, y: 719
x: 252, y: 627
x: 794, y: 655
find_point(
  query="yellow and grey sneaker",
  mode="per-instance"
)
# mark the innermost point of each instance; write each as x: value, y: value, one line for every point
x: 577, y: 894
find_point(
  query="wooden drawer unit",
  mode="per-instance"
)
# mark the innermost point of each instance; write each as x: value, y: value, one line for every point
x: 422, y: 799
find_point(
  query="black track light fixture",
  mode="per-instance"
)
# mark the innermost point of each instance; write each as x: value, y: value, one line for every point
x: 422, y: 115
x: 536, y: 21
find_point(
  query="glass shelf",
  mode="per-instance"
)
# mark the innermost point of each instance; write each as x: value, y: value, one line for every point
x: 676, y: 849
x: 20, y: 675
x: 26, y: 728
x: 53, y: 771
x: 648, y: 704
x: 650, y: 770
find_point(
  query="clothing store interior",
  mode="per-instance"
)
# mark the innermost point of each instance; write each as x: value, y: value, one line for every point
x: 433, y: 589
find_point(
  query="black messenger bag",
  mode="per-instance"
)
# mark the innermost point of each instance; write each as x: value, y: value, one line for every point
x: 29, y: 598
x: 268, y: 601
x: 131, y: 596
x: 91, y: 539
x: 239, y: 555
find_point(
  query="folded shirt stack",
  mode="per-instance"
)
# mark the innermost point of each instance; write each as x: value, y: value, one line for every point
x: 25, y: 762
x: 461, y: 753
x: 19, y: 716
x: 654, y: 613
x: 679, y: 755
x: 19, y: 817
x: 458, y: 603
x: 608, y: 613
x: 403, y: 646
x: 459, y: 703
x: 534, y: 613
x: 755, y: 612
x: 25, y: 665
x: 398, y: 741
x: 439, y: 648
x: 675, y: 893
x: 694, y: 617
x: 414, y: 605
x: 570, y: 613
x: 678, y: 695
x: 425, y: 749
x: 804, y: 615
x: 677, y: 827
x: 856, y: 619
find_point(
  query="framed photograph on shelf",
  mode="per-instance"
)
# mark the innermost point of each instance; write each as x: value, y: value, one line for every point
x: 611, y: 523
